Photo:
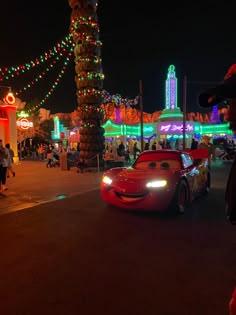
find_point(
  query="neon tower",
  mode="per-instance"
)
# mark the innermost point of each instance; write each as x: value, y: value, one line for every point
x: 171, y: 110
x: 171, y: 88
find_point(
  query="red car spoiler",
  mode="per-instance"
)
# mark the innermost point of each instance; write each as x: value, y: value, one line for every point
x: 198, y: 153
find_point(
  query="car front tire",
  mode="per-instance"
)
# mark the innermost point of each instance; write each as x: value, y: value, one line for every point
x: 180, y: 200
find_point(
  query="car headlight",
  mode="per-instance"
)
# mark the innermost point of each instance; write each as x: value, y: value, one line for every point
x: 156, y: 184
x: 107, y: 180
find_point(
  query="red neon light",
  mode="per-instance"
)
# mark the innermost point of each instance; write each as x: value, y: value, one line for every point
x: 9, y: 99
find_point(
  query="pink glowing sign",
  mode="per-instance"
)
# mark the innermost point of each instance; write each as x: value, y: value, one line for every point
x: 174, y: 128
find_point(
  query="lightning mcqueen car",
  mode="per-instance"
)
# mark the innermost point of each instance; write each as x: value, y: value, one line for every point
x: 158, y: 180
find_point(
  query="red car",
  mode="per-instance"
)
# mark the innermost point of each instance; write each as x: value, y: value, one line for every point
x: 158, y: 180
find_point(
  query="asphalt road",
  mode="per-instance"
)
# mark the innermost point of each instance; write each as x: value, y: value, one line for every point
x: 77, y: 256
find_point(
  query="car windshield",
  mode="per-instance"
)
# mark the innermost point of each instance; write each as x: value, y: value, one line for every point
x: 153, y: 160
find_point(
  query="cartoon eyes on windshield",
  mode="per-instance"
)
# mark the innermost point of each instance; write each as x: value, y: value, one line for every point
x: 165, y: 165
x: 152, y: 165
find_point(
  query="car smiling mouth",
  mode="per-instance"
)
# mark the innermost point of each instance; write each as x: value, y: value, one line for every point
x: 131, y: 197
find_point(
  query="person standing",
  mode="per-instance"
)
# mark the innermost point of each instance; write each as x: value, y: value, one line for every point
x: 4, y: 156
x: 206, y: 144
x: 154, y: 146
x: 11, y: 161
x: 49, y: 155
x: 147, y: 146
x: 136, y: 150
x: 194, y: 144
x: 226, y: 92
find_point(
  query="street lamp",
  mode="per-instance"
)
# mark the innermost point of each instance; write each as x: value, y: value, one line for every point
x: 141, y: 112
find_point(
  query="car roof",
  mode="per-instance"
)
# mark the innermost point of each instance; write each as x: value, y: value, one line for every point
x: 163, y: 151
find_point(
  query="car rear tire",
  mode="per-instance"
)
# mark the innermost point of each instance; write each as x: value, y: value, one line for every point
x: 181, y: 198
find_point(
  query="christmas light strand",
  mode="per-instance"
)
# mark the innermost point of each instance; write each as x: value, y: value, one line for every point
x: 43, y: 73
x: 7, y: 73
x: 76, y: 23
x: 55, y: 83
x: 79, y: 29
x: 118, y: 99
x: 89, y: 39
x: 80, y: 22
x: 94, y: 59
x: 90, y: 75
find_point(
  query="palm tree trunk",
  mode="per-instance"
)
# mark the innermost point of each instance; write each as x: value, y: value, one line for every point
x: 89, y: 77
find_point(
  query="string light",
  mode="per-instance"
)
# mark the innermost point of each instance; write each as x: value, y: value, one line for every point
x: 76, y: 23
x: 81, y: 22
x: 55, y: 83
x: 78, y: 26
x: 94, y: 59
x: 118, y: 99
x: 43, y: 73
x: 7, y: 73
x: 90, y: 75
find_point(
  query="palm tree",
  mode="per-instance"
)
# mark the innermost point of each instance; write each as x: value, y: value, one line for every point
x: 89, y: 77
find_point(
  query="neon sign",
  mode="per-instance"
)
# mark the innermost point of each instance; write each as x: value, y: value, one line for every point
x: 9, y: 99
x: 22, y: 114
x: 24, y: 123
x: 174, y: 128
x: 112, y: 129
x: 171, y: 88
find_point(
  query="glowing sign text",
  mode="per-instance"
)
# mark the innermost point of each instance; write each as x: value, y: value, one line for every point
x: 24, y: 123
x: 175, y: 128
x: 22, y: 114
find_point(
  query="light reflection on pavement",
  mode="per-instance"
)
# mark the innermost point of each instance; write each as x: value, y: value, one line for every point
x: 35, y: 184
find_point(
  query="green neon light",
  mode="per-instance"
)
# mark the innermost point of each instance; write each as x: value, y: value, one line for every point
x: 171, y: 115
x: 121, y: 130
x: 109, y: 123
x: 22, y: 114
x: 218, y: 126
x: 216, y: 129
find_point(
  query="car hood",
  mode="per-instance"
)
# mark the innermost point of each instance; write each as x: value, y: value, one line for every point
x: 133, y: 181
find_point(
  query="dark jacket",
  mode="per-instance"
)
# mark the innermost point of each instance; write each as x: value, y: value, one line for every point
x: 230, y: 196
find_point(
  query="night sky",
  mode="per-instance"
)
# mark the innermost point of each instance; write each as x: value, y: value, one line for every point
x: 139, y: 43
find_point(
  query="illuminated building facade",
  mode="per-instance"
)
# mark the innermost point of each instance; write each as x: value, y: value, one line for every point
x: 170, y: 123
x: 169, y: 126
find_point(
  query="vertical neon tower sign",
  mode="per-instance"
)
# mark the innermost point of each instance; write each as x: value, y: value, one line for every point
x: 56, y: 127
x: 171, y: 89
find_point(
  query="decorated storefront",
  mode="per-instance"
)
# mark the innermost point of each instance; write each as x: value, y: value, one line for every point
x: 172, y: 131
x: 25, y: 128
